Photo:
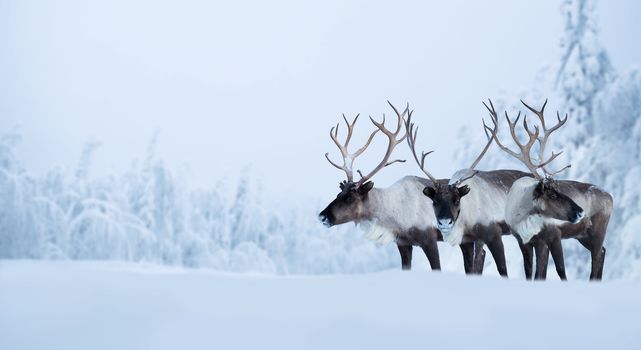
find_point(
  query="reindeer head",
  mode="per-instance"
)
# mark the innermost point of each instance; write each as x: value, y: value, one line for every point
x: 350, y: 203
x: 446, y: 198
x: 548, y: 201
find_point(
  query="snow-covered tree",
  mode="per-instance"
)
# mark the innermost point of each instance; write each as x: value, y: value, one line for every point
x: 601, y: 139
x: 148, y: 214
x: 584, y: 69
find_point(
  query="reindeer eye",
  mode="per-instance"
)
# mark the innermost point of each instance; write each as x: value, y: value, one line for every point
x: 349, y: 199
x: 456, y: 202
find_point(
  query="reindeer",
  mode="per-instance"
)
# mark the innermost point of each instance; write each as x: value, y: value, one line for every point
x: 541, y: 210
x: 470, y: 208
x: 390, y: 214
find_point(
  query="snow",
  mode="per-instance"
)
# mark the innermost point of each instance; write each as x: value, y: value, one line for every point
x: 108, y: 305
x: 141, y: 259
x: 148, y: 214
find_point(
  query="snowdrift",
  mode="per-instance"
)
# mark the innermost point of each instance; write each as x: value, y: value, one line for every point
x: 102, y: 305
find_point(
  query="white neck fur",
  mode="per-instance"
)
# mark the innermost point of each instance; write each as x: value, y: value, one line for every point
x: 520, y: 203
x: 396, y: 210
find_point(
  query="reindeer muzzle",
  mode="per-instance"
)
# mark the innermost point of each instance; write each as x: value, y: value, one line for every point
x: 445, y: 225
x: 579, y: 216
x: 325, y: 219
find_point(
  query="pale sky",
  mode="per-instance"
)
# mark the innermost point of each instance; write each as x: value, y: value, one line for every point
x: 230, y: 84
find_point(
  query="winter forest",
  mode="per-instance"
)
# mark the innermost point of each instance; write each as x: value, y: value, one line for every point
x: 149, y: 214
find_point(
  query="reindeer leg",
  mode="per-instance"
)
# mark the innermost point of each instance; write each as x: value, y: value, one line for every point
x: 468, y: 256
x: 479, y: 257
x: 594, y: 243
x: 586, y: 242
x: 528, y: 260
x: 430, y: 248
x: 406, y: 256
x: 527, y: 250
x: 498, y: 253
x: 600, y: 273
x: 597, y: 253
x: 557, y: 253
x: 494, y: 239
x: 542, y: 256
x: 598, y: 256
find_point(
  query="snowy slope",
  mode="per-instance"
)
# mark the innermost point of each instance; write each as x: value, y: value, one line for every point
x: 106, y: 305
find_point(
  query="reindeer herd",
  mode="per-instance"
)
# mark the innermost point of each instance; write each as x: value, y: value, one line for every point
x: 475, y: 208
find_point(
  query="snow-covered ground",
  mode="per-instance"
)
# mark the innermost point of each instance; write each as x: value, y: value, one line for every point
x: 107, y: 305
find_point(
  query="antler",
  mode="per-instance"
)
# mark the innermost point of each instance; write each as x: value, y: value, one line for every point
x: 543, y: 139
x: 524, y: 149
x: 492, y: 132
x: 348, y: 159
x: 411, y: 131
x: 489, y: 139
x: 392, y: 142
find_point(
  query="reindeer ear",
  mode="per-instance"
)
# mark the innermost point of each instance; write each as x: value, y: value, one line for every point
x: 366, y: 187
x: 463, y: 190
x: 430, y: 192
x: 539, y: 189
